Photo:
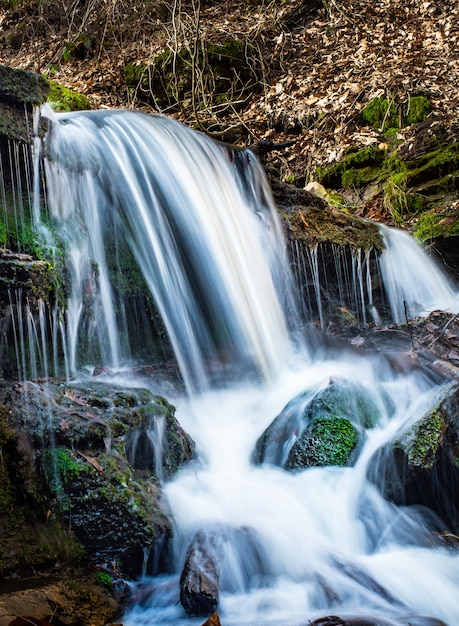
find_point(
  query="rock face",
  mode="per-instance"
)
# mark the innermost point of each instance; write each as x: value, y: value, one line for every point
x: 420, y: 466
x: 68, y: 603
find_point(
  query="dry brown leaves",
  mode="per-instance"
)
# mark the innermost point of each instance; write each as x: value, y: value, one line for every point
x: 319, y: 73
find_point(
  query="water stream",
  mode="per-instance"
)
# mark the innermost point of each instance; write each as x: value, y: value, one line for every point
x: 201, y: 224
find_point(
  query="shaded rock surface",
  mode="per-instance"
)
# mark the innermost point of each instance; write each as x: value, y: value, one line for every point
x: 20, y: 91
x: 199, y: 582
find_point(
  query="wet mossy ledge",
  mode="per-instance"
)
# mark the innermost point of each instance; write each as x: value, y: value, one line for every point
x: 74, y: 481
x: 314, y: 221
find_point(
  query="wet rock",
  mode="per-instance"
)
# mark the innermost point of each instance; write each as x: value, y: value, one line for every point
x: 325, y: 441
x: 200, y: 576
x: 20, y: 91
x: 159, y: 445
x: 69, y: 443
x: 420, y: 466
x: 336, y: 414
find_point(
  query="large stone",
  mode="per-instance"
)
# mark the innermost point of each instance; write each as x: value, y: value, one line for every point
x: 420, y: 465
x: 319, y: 427
x: 67, y: 602
x: 200, y: 576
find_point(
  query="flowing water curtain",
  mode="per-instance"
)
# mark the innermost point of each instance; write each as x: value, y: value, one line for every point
x: 200, y: 223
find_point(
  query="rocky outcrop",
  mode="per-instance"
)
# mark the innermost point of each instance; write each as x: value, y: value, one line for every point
x: 65, y: 467
x: 20, y: 91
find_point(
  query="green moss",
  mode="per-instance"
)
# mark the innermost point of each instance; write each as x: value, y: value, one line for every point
x: 435, y: 225
x: 422, y: 443
x: 59, y: 468
x: 355, y: 169
x: 381, y: 114
x: 417, y: 109
x: 384, y: 114
x: 104, y: 580
x: 326, y: 441
x: 62, y: 99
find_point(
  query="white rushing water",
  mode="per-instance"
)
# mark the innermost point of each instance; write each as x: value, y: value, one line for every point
x: 202, y: 226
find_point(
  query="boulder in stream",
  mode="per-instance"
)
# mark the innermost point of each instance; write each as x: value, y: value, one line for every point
x: 421, y: 464
x: 318, y: 428
x: 65, y: 472
x: 199, y: 582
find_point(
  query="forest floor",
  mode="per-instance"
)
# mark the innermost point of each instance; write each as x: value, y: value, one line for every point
x: 319, y: 62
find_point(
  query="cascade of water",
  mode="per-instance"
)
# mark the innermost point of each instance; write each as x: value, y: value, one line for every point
x: 201, y: 225
x: 199, y: 221
x: 334, y: 278
x: 414, y: 284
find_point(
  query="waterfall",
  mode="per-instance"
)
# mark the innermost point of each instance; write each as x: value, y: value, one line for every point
x: 199, y: 221
x: 414, y: 283
x: 201, y: 225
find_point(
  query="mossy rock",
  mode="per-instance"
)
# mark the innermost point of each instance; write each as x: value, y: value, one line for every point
x: 314, y: 226
x: 417, y: 176
x: 436, y: 224
x: 420, y: 466
x: 345, y: 399
x: 339, y: 403
x: 62, y: 99
x: 20, y: 87
x: 219, y: 73
x: 326, y: 441
x: 421, y: 444
x: 158, y: 445
x: 356, y: 169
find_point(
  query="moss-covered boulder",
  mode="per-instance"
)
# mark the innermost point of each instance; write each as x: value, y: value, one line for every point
x: 21, y: 87
x: 71, y: 442
x: 20, y: 91
x: 319, y: 427
x: 421, y: 464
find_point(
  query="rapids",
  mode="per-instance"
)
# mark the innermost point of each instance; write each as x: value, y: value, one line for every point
x: 202, y: 226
